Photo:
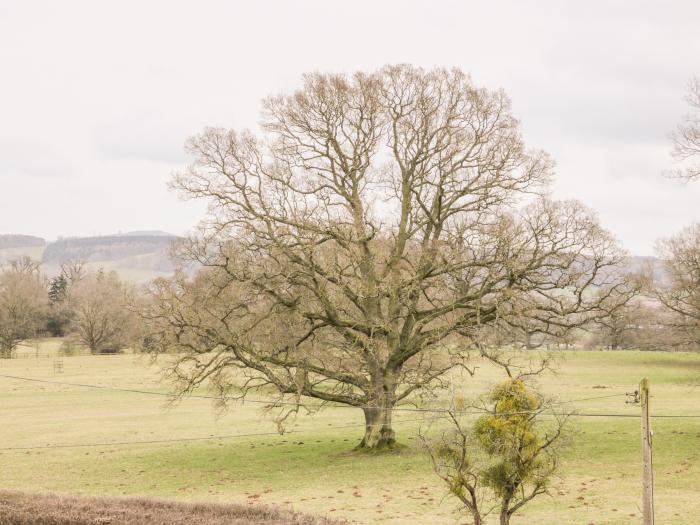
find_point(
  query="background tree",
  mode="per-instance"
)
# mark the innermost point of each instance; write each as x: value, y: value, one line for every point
x: 503, y: 460
x: 101, y: 318
x: 686, y: 137
x: 619, y: 330
x: 58, y: 318
x: 23, y: 304
x: 355, y: 248
x: 626, y: 326
x: 60, y: 308
x: 680, y: 292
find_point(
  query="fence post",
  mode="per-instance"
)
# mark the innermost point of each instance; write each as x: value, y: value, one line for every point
x: 648, y: 472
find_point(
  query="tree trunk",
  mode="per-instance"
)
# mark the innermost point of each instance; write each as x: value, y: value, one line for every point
x: 505, y: 508
x: 473, y: 505
x: 505, y: 517
x: 378, y: 431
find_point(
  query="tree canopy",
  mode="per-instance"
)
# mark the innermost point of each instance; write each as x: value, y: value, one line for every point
x: 356, y: 248
x: 23, y: 303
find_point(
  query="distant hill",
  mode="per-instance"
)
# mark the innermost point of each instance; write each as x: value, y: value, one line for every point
x: 146, y: 233
x: 20, y: 241
x: 648, y: 265
x: 14, y: 246
x: 136, y: 256
x: 107, y: 248
x: 141, y: 256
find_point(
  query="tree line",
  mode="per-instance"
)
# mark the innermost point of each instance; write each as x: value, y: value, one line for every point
x: 95, y: 310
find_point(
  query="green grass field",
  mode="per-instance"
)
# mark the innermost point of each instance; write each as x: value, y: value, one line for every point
x: 313, y: 469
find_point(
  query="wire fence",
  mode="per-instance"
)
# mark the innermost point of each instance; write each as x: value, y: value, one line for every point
x: 277, y: 402
x: 272, y: 402
x: 29, y: 355
x: 208, y: 438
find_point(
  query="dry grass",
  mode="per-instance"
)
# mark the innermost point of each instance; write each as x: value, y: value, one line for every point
x: 17, y: 508
x: 312, y: 469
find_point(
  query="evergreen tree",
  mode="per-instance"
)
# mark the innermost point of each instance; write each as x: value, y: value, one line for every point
x: 59, y: 311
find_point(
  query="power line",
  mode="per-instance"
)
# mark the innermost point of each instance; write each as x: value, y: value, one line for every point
x: 276, y: 402
x: 395, y: 409
x: 204, y: 438
x: 144, y: 442
x: 587, y: 399
x: 479, y: 412
x: 217, y: 398
x: 588, y: 414
x: 336, y: 427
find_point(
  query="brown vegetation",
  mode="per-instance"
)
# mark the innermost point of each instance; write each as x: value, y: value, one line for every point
x: 101, y: 318
x: 23, y: 303
x: 17, y: 508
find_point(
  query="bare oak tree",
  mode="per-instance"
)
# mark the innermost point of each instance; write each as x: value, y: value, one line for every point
x: 686, y: 137
x: 680, y: 294
x: 23, y: 303
x: 355, y: 248
x: 100, y: 314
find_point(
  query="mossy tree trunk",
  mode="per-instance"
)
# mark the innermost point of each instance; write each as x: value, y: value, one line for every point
x: 379, y: 433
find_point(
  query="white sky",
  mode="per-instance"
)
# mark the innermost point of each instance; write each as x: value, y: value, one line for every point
x: 97, y: 98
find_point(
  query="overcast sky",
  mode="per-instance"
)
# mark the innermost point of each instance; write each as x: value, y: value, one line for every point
x: 97, y: 98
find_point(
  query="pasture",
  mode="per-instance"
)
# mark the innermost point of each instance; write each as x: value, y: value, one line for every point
x: 313, y: 469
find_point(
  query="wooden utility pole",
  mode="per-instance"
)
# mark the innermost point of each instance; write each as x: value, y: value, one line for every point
x: 648, y: 472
